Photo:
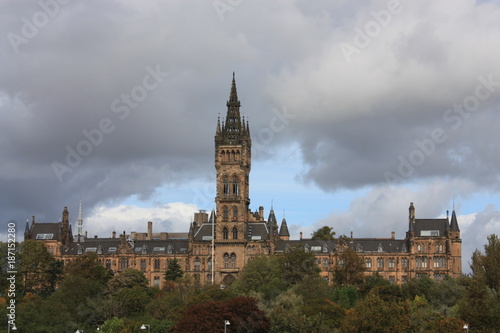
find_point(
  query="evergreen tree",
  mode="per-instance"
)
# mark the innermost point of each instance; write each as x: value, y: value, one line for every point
x: 324, y: 233
x: 174, y: 271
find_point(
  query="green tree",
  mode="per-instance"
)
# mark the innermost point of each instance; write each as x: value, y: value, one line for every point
x: 486, y: 267
x: 89, y: 267
x: 480, y: 307
x: 129, y: 293
x: 262, y: 275
x: 298, y: 264
x: 129, y: 278
x: 345, y: 296
x: 349, y: 269
x: 373, y: 314
x: 44, y: 315
x: 40, y: 270
x: 174, y: 271
x: 419, y: 286
x: 287, y: 315
x: 324, y: 233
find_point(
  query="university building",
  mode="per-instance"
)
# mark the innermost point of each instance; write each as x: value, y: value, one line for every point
x: 218, y: 245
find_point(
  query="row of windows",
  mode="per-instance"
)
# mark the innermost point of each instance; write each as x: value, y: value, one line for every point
x: 225, y: 233
x: 420, y: 262
x: 225, y: 213
x: 197, y: 264
x: 229, y: 261
x: 124, y: 263
x: 438, y: 248
x: 230, y: 188
x: 230, y: 155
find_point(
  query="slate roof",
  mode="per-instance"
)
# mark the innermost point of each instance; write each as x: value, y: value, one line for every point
x: 204, y: 232
x: 255, y: 231
x: 363, y: 245
x: 284, y: 229
x: 440, y: 225
x: 45, y: 229
x: 110, y: 246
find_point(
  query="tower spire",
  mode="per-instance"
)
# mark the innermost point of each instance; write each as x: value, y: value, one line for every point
x: 232, y: 129
x: 79, y: 222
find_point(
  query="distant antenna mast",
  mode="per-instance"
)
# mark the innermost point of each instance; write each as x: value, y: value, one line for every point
x: 79, y: 222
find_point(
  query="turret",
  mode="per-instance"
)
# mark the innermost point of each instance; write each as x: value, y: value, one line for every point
x: 411, y: 217
x: 455, y: 245
x: 284, y: 233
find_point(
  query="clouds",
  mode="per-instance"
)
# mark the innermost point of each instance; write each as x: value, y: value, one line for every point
x: 353, y: 122
x: 170, y: 217
x: 395, y: 92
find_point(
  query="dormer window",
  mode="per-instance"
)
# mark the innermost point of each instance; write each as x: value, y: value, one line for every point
x: 359, y: 248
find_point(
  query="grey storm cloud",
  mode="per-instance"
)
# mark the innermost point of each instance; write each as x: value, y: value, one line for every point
x: 77, y: 78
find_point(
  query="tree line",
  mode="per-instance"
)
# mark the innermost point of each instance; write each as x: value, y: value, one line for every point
x: 282, y: 293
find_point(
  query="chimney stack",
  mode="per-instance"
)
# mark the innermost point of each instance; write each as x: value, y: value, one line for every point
x: 114, y: 234
x: 301, y: 235
x: 393, y: 235
x: 261, y: 213
x: 150, y: 231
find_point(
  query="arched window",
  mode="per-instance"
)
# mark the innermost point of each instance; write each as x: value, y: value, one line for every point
x: 233, y: 260
x: 368, y: 263
x: 225, y: 187
x: 439, y: 248
x: 226, y: 260
x: 223, y: 155
x: 225, y: 213
x: 404, y: 262
x: 197, y: 264
x: 225, y: 233
x: 235, y: 233
x: 235, y: 213
x: 236, y: 186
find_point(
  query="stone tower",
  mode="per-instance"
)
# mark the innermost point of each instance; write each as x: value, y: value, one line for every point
x: 455, y: 245
x: 232, y: 163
